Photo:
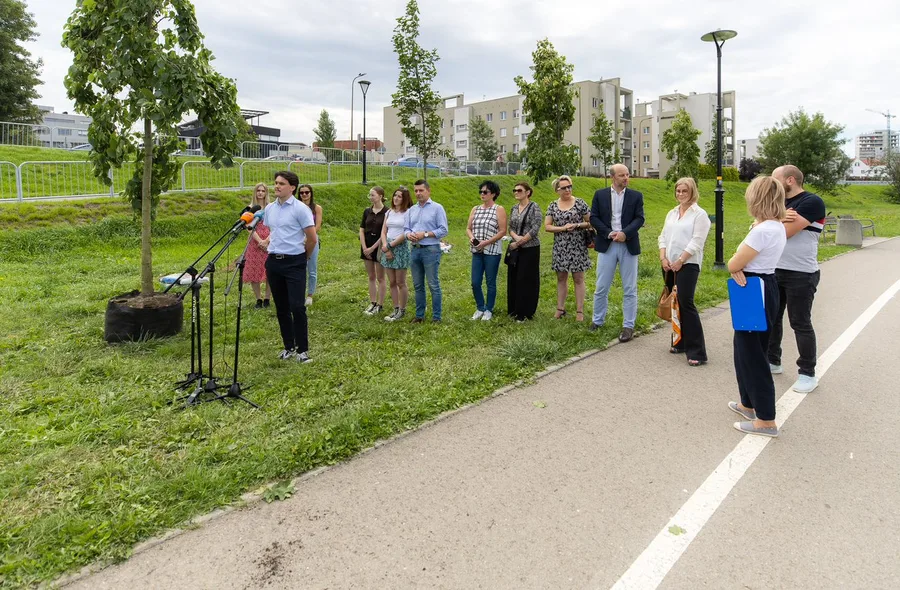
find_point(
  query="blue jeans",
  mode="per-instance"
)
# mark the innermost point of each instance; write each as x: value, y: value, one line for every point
x: 617, y: 254
x: 423, y: 265
x: 312, y: 271
x: 485, y: 265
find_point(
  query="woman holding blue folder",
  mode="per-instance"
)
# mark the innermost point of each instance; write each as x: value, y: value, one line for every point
x: 756, y: 257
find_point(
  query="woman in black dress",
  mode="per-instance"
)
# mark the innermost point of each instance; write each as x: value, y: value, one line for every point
x: 523, y: 283
x: 369, y: 242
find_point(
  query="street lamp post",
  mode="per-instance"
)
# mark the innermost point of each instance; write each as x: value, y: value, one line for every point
x: 364, y: 86
x: 352, y: 93
x: 719, y: 38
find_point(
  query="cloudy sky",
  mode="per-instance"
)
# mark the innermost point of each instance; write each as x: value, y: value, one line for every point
x: 295, y: 58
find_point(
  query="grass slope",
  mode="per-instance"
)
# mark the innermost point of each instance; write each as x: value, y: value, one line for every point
x: 94, y: 460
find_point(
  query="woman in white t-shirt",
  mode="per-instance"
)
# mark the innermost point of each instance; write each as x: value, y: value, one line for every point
x: 756, y: 257
x: 681, y: 256
x: 395, y: 251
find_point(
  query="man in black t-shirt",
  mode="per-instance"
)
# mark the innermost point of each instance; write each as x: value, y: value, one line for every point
x: 797, y: 274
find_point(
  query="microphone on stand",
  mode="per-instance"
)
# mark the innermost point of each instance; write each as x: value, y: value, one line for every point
x: 246, y: 217
x: 251, y: 223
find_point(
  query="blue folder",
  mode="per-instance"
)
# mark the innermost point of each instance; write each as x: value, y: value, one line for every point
x: 748, y: 305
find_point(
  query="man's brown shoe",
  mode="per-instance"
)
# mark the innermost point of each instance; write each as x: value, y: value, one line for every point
x: 416, y: 321
x: 626, y: 334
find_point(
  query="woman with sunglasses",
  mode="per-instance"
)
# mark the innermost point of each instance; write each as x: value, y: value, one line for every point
x: 485, y: 229
x: 395, y: 251
x: 568, y: 218
x: 305, y: 192
x: 523, y: 280
x: 255, y: 261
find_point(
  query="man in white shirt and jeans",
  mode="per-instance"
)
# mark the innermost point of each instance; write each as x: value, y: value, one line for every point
x: 797, y: 274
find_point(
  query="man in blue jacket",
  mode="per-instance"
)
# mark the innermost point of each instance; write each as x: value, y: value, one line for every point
x: 617, y: 213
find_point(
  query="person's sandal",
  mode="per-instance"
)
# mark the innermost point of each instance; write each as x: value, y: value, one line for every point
x: 560, y: 313
x: 676, y: 350
x: 579, y: 316
x: 695, y: 363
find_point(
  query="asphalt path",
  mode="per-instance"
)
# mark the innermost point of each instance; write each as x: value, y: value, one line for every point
x: 603, y: 473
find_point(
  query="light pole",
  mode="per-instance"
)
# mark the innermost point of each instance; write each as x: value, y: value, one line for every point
x: 364, y: 86
x: 719, y: 38
x: 352, y: 94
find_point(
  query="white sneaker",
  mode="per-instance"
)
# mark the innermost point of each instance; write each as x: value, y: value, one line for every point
x: 805, y: 384
x: 370, y: 310
x: 477, y: 315
x: 487, y: 316
x: 776, y: 369
x: 285, y: 354
x: 308, y: 301
x: 302, y: 357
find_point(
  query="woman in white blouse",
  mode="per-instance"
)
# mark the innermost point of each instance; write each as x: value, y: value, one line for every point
x: 681, y: 257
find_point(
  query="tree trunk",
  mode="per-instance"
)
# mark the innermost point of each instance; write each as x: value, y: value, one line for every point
x: 147, y: 287
x: 424, y: 151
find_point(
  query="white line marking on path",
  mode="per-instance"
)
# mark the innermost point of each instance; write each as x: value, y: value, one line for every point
x: 654, y: 563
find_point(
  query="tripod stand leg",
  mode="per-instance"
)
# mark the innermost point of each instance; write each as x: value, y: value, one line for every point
x: 234, y: 392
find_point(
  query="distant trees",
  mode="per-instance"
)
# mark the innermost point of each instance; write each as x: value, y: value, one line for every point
x: 484, y: 146
x: 679, y: 142
x: 749, y: 169
x: 603, y: 141
x: 811, y: 143
x: 326, y: 132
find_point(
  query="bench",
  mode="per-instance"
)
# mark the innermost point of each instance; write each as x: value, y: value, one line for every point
x: 865, y: 222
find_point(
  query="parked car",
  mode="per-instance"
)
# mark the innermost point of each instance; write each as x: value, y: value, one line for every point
x: 413, y: 162
x: 85, y: 147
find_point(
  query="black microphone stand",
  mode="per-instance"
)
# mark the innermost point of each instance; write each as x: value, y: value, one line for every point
x: 235, y: 389
x: 211, y: 384
x: 196, y: 373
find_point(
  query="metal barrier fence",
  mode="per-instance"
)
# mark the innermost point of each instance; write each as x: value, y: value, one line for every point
x: 65, y: 179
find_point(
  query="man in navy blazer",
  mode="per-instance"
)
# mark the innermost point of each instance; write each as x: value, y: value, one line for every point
x: 617, y: 213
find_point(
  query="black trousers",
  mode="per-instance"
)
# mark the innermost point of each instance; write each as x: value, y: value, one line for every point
x: 287, y: 279
x: 692, y: 341
x: 796, y: 291
x: 523, y: 284
x: 751, y: 361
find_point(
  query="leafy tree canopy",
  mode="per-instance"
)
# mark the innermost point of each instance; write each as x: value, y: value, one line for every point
x: 416, y: 101
x: 484, y: 146
x: 679, y: 143
x: 809, y: 143
x: 551, y: 110
x: 604, y: 141
x: 18, y: 71
x: 325, y: 133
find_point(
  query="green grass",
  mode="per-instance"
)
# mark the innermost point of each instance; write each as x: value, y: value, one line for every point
x: 94, y: 460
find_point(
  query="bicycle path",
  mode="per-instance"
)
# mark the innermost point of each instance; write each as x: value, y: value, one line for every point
x: 567, y: 482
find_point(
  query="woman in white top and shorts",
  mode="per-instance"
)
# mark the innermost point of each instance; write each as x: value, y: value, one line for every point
x: 756, y: 257
x: 395, y: 251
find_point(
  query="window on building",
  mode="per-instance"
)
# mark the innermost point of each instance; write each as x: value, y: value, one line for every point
x: 503, y: 115
x: 503, y: 132
x: 515, y: 113
x: 515, y: 131
x: 402, y: 142
x: 502, y: 149
x: 594, y: 160
x: 410, y: 149
x: 515, y: 148
x: 524, y: 137
x: 646, y: 159
x: 489, y: 117
x: 62, y: 132
x: 442, y: 123
x: 646, y: 145
x: 462, y: 143
x: 451, y: 122
x: 594, y: 104
x: 645, y: 130
x: 442, y: 140
x: 634, y: 145
x: 463, y: 127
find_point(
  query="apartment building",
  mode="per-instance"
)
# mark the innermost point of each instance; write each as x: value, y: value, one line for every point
x: 510, y: 124
x: 62, y: 130
x: 874, y: 144
x: 748, y: 148
x: 652, y: 119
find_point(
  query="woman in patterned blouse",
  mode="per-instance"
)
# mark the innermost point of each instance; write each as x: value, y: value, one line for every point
x: 523, y: 281
x: 568, y: 219
x: 486, y: 227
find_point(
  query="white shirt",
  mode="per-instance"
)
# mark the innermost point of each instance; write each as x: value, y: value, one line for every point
x: 685, y: 234
x: 287, y: 222
x: 395, y: 222
x: 768, y: 238
x: 618, y: 200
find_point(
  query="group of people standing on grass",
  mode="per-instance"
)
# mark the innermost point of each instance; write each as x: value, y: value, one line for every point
x: 781, y: 249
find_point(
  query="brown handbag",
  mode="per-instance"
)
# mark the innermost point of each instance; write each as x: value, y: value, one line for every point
x: 664, y: 306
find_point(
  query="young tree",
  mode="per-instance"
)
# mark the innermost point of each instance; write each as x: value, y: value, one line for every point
x: 548, y: 102
x: 142, y: 62
x: 810, y: 143
x: 415, y: 100
x: 484, y: 146
x: 710, y: 153
x: 18, y: 72
x: 892, y: 173
x: 604, y: 142
x: 326, y: 133
x: 679, y: 142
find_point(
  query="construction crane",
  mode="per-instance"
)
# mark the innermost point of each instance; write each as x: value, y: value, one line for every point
x: 887, y: 118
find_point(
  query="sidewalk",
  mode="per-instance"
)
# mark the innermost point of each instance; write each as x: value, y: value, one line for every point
x: 565, y: 482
